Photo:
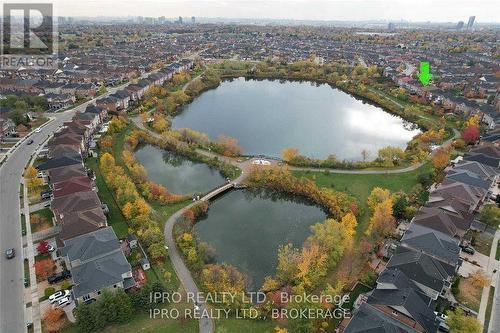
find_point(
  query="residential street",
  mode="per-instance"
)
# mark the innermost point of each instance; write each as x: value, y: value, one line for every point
x: 11, y: 271
x: 12, y: 311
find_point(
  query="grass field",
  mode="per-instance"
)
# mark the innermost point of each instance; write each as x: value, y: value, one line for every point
x: 115, y: 217
x: 360, y: 185
x: 231, y: 325
x: 41, y: 220
x: 469, y: 295
x: 482, y: 242
x: 144, y: 324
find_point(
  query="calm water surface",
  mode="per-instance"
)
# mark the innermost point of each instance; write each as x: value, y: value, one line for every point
x: 267, y: 116
x: 178, y: 174
x: 246, y: 228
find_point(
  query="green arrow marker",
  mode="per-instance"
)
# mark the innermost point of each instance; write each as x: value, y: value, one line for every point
x: 424, y: 75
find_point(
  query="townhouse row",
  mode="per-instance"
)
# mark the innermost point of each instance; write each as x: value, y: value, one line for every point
x: 423, y: 263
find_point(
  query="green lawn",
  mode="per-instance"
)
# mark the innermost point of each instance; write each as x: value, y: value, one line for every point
x: 115, y: 217
x: 144, y: 324
x: 490, y: 304
x: 482, y: 242
x: 358, y: 290
x: 23, y: 224
x: 231, y: 325
x: 41, y: 220
x: 360, y: 186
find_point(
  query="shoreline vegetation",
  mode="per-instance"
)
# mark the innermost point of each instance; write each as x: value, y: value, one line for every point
x: 361, y: 83
x: 337, y: 252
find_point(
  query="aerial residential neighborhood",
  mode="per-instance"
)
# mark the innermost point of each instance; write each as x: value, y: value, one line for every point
x: 226, y: 167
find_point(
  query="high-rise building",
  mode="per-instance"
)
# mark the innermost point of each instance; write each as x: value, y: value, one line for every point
x: 391, y: 27
x: 471, y: 22
x: 460, y: 25
x: 140, y: 19
x: 180, y: 20
x: 193, y: 20
x: 161, y: 20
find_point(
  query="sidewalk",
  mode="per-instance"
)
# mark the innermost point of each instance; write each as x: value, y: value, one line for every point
x: 36, y: 317
x: 493, y: 264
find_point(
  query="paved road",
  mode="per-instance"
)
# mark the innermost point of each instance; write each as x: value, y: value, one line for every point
x: 11, y: 271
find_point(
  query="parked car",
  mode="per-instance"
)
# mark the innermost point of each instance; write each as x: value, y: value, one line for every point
x: 59, y: 277
x: 59, y: 295
x: 469, y: 250
x: 441, y: 316
x: 38, y: 130
x: 30, y: 141
x: 63, y: 302
x: 46, y: 194
x: 10, y: 253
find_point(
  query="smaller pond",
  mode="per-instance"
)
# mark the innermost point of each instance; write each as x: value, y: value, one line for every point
x: 246, y: 229
x: 178, y: 174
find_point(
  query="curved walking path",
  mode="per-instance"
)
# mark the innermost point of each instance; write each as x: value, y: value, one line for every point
x: 206, y: 325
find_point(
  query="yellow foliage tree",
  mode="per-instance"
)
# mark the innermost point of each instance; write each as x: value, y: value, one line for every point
x: 32, y: 180
x: 311, y: 266
x: 377, y: 196
x: 289, y: 153
x: 382, y: 223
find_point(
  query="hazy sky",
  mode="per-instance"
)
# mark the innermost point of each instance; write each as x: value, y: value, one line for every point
x: 412, y: 10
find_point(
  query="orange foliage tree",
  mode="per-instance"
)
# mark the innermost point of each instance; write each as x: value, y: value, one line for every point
x: 53, y: 319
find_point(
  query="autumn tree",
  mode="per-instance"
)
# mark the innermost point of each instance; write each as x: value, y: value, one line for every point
x: 44, y: 268
x: 224, y: 278
x: 160, y: 123
x: 278, y: 329
x: 53, y: 319
x: 459, y: 322
x: 475, y: 120
x: 382, y: 222
x: 390, y: 156
x: 106, y: 142
x: 479, y: 279
x: 312, y: 265
x: 287, y: 263
x: 490, y: 215
x: 32, y: 180
x: 441, y: 158
x: 470, y: 134
x: 229, y: 146
x: 334, y: 237
x: 289, y: 154
x: 43, y: 246
x: 377, y: 196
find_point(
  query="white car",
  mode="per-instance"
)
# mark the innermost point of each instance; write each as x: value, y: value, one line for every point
x: 261, y: 162
x: 63, y: 302
x: 38, y: 130
x: 58, y: 296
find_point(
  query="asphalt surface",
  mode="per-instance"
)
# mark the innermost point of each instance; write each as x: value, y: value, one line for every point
x: 12, y: 307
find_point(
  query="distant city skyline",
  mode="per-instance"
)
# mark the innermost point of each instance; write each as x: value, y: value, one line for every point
x: 323, y: 10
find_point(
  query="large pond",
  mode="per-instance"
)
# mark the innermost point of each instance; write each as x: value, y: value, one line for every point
x: 266, y: 116
x: 246, y: 229
x: 178, y: 174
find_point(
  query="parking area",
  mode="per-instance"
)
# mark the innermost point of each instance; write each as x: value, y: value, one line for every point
x: 68, y: 309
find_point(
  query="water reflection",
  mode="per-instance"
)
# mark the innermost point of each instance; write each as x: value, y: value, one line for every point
x: 268, y: 116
